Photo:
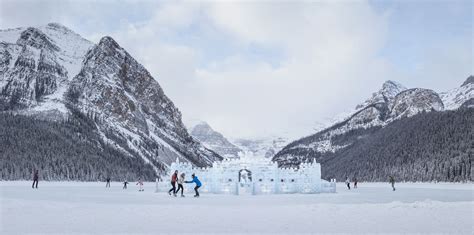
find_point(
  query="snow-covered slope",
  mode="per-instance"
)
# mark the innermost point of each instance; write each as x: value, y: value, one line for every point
x: 215, y: 140
x: 51, y: 69
x: 456, y: 97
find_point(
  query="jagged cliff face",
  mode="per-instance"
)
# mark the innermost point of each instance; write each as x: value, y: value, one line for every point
x: 36, y: 65
x: 215, y: 140
x: 392, y: 102
x: 414, y: 101
x: 51, y: 68
x: 385, y: 95
x: 29, y: 70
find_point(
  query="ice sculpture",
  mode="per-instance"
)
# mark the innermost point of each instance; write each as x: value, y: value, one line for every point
x: 253, y: 175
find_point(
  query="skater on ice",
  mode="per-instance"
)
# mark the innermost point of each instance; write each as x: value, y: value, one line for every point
x: 125, y: 184
x: 355, y: 182
x: 174, y: 178
x: 180, y: 184
x: 107, y: 185
x: 35, y: 179
x: 198, y: 184
x: 392, y: 181
x: 140, y: 185
x: 348, y: 183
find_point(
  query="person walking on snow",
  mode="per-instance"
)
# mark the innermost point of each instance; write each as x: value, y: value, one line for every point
x: 355, y: 182
x: 35, y: 179
x: 180, y: 184
x: 348, y: 183
x: 198, y: 184
x: 140, y: 184
x: 125, y: 184
x: 392, y: 181
x: 107, y: 185
x: 174, y: 178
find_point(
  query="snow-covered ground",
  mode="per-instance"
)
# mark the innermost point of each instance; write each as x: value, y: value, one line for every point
x: 75, y: 207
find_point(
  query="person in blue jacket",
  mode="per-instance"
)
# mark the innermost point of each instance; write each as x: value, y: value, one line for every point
x: 198, y: 184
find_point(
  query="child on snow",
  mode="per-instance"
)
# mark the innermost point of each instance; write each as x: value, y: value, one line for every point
x: 348, y: 183
x: 125, y: 184
x: 140, y: 184
x: 198, y: 184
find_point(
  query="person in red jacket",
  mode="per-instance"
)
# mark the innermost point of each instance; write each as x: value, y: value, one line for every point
x: 174, y: 178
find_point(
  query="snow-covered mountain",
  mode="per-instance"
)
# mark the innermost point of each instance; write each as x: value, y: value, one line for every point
x: 261, y: 147
x: 392, y: 102
x: 52, y: 72
x: 215, y: 140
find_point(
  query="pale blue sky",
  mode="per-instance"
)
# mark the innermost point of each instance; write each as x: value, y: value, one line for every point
x: 417, y: 27
x: 282, y: 68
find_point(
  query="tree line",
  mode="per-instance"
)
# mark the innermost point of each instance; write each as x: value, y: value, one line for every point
x: 63, y: 150
x: 430, y: 146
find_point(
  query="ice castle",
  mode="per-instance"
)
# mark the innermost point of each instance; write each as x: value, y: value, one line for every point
x: 252, y: 176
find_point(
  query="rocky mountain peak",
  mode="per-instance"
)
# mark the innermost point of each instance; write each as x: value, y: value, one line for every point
x: 214, y: 140
x: 469, y: 80
x: 36, y: 38
x: 59, y: 27
x: 108, y: 58
x: 132, y: 105
x: 108, y: 42
x: 202, y: 127
x: 385, y: 95
x: 391, y: 88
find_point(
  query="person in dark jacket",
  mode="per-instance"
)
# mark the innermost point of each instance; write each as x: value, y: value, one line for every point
x: 125, y: 184
x: 107, y: 185
x: 355, y: 182
x: 198, y: 184
x: 174, y: 178
x: 392, y: 181
x: 35, y: 179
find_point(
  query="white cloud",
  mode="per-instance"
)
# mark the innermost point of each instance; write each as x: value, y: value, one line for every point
x: 331, y: 55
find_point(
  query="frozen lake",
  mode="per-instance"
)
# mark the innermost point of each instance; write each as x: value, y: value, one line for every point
x: 76, y: 207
